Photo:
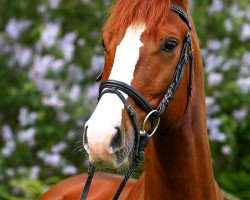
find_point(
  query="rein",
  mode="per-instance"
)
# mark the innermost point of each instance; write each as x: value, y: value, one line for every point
x: 153, y: 115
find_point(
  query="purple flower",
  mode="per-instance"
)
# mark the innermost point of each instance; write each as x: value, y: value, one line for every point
x: 53, y: 159
x: 226, y: 150
x: 7, y: 133
x: 69, y: 170
x: 75, y: 93
x: 67, y: 46
x: 244, y: 85
x: 15, y: 27
x: 34, y: 172
x: 92, y: 91
x: 245, y: 32
x: 27, y: 136
x: 214, y: 45
x: 61, y: 146
x: 54, y: 4
x: 214, y: 79
x: 9, y: 148
x: 25, y: 117
x: 240, y: 114
x: 216, y: 6
x: 49, y: 34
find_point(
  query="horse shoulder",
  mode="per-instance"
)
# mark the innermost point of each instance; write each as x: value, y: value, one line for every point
x: 103, y: 187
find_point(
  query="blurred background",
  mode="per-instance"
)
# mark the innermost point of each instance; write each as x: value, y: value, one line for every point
x: 50, y: 54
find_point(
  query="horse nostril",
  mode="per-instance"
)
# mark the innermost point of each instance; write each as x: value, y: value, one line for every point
x: 116, y: 142
x: 85, y: 139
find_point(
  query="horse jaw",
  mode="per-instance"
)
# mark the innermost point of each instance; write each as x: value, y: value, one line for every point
x: 107, y: 116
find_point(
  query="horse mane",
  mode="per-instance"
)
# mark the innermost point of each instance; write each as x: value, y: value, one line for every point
x: 127, y: 12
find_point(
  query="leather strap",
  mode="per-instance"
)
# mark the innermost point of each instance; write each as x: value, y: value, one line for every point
x: 137, y: 97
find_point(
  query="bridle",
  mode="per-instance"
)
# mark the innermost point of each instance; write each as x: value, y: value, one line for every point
x: 153, y: 115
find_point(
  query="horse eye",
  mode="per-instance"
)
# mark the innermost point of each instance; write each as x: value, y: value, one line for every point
x: 170, y: 45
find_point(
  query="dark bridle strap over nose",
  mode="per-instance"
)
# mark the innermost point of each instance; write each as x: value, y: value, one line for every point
x: 142, y: 137
x: 131, y: 92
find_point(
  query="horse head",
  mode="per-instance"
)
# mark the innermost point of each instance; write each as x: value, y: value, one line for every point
x: 143, y: 42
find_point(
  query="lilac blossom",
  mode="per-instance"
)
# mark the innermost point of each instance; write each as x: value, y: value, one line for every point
x: 40, y: 67
x: 53, y: 101
x: 58, y: 148
x: 22, y: 55
x: 10, y: 172
x: 34, y: 172
x: 75, y: 74
x: 27, y: 136
x: 81, y: 42
x: 54, y: 4
x: 42, y: 9
x: 57, y: 65
x: 47, y: 86
x: 62, y: 116
x: 10, y: 144
x: 86, y: 1
x: 216, y: 135
x: 226, y: 150
x: 67, y: 46
x: 245, y: 32
x: 75, y: 93
x: 244, y: 85
x: 246, y: 58
x: 7, y: 133
x: 9, y: 148
x: 229, y: 64
x: 214, y: 79
x: 53, y: 159
x: 240, y: 114
x: 212, y: 107
x: 212, y: 62
x: 235, y: 11
x: 214, y: 132
x: 25, y: 117
x: 50, y: 34
x: 69, y: 170
x: 92, y: 91
x: 15, y: 27
x: 97, y: 63
x: 216, y: 6
x: 228, y: 24
x: 214, y: 44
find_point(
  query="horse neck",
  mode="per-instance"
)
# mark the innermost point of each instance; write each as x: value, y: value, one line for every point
x: 177, y: 162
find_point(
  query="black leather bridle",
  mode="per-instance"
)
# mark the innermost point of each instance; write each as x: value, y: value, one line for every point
x: 153, y: 115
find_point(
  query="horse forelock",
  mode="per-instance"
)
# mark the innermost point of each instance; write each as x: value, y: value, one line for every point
x: 129, y: 12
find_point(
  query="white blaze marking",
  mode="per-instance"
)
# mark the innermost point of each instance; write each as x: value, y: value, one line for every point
x: 108, y: 113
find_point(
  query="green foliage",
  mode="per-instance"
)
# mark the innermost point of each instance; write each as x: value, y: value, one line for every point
x: 224, y: 37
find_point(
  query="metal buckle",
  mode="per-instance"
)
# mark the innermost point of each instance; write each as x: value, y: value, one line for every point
x: 143, y: 132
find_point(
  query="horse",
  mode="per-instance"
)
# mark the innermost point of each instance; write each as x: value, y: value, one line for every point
x: 144, y: 41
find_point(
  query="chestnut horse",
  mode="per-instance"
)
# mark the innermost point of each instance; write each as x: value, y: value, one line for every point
x: 144, y: 42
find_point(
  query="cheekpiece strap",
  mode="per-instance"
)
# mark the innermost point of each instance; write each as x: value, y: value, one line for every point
x: 182, y: 13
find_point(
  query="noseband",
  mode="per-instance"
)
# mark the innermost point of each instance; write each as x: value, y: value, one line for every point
x: 153, y: 115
